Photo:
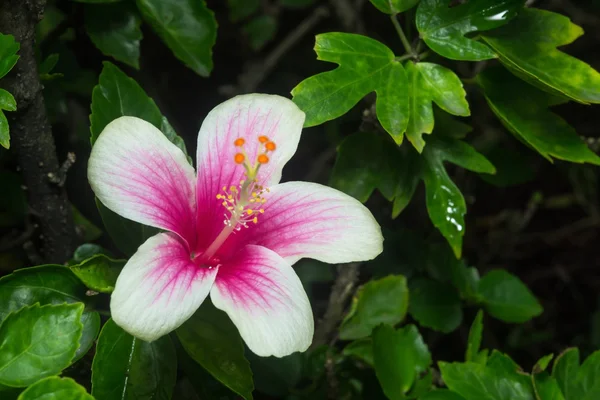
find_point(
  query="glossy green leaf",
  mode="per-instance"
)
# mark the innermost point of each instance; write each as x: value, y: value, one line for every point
x: 476, y: 382
x: 445, y: 203
x: 429, y: 83
x: 408, y: 176
x: 276, y: 376
x: 577, y: 382
x: 421, y: 386
x: 115, y: 30
x: 362, y: 349
x: 539, y: 61
x: 260, y: 31
x: 399, y: 356
x: 38, y: 341
x: 394, y: 6
x: 542, y: 364
x: 48, y: 284
x: 55, y: 388
x: 507, y: 298
x: 86, y: 251
x: 382, y: 301
x: 99, y: 272
x: 474, y: 341
x: 441, y: 394
x: 8, y: 103
x: 546, y: 387
x: 117, y: 95
x: 443, y: 28
x: 240, y: 9
x: 8, y: 53
x: 524, y: 111
x: 365, y: 66
x: 211, y: 339
x: 45, y: 68
x: 188, y: 28
x: 128, y: 368
x: 435, y: 305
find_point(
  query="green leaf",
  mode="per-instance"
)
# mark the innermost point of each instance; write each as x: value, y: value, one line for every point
x: 85, y: 228
x: 86, y: 251
x: 118, y: 95
x: 260, y: 31
x: 524, y: 111
x: 513, y: 166
x: 115, y: 30
x: 575, y: 382
x: 429, y: 83
x: 55, y: 388
x: 276, y: 376
x: 128, y: 368
x: 313, y: 272
x: 362, y: 349
x: 435, y: 305
x: 97, y: 1
x: 476, y: 382
x: 399, y: 356
x: 382, y: 301
x: 187, y: 27
x: 211, y: 339
x: 8, y: 103
x: 507, y: 298
x: 365, y: 65
x: 445, y: 203
x: 546, y: 387
x: 443, y: 28
x: 240, y: 9
x: 45, y: 68
x: 296, y: 4
x: 394, y: 6
x: 38, y: 341
x: 474, y: 342
x: 99, y: 272
x: 48, y: 284
x: 542, y: 364
x: 539, y: 62
x: 441, y: 394
x: 8, y: 53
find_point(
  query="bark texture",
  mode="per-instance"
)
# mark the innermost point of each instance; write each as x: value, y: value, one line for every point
x: 31, y: 136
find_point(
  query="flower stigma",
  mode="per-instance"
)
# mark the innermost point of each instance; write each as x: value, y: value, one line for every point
x: 243, y: 203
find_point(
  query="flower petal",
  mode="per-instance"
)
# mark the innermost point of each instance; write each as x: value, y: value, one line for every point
x: 138, y: 173
x: 159, y: 288
x: 303, y: 219
x: 247, y: 117
x: 264, y: 298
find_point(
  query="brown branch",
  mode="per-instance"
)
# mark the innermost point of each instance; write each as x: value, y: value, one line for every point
x: 31, y: 135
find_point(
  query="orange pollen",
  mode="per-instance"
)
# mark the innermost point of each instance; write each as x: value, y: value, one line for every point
x: 263, y: 159
x: 239, y: 142
x: 239, y: 157
x: 270, y: 146
x: 263, y: 139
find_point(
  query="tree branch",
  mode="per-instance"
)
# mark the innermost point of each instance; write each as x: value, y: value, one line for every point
x: 31, y: 135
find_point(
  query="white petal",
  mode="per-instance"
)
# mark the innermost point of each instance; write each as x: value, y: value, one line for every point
x: 264, y: 298
x: 159, y: 288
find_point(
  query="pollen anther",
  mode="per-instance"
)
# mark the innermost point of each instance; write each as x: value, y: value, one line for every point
x: 263, y: 139
x: 262, y: 158
x: 239, y: 142
x: 239, y: 158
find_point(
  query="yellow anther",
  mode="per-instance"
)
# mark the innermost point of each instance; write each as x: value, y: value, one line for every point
x: 262, y: 211
x: 249, y: 211
x: 255, y: 220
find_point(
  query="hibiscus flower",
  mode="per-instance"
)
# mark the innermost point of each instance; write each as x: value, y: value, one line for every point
x: 231, y: 230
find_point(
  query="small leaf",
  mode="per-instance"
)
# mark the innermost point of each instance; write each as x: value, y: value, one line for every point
x: 128, y: 368
x: 188, y: 28
x: 378, y: 301
x: 394, y: 6
x: 546, y: 387
x: 443, y: 28
x: 542, y: 364
x: 45, y: 68
x: 86, y: 251
x: 86, y: 230
x: 474, y: 342
x: 399, y: 356
x: 240, y: 9
x: 429, y: 83
x: 99, y: 272
x: 115, y: 30
x: 445, y: 203
x: 362, y: 349
x: 48, y: 284
x: 435, y: 305
x: 211, y: 339
x: 524, y: 111
x: 539, y: 62
x: 507, y: 298
x: 55, y: 388
x: 565, y: 369
x: 8, y: 53
x: 8, y: 103
x: 260, y: 31
x: 365, y: 65
x: 38, y: 341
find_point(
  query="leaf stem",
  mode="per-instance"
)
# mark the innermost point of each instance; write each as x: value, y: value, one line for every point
x: 402, y: 36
